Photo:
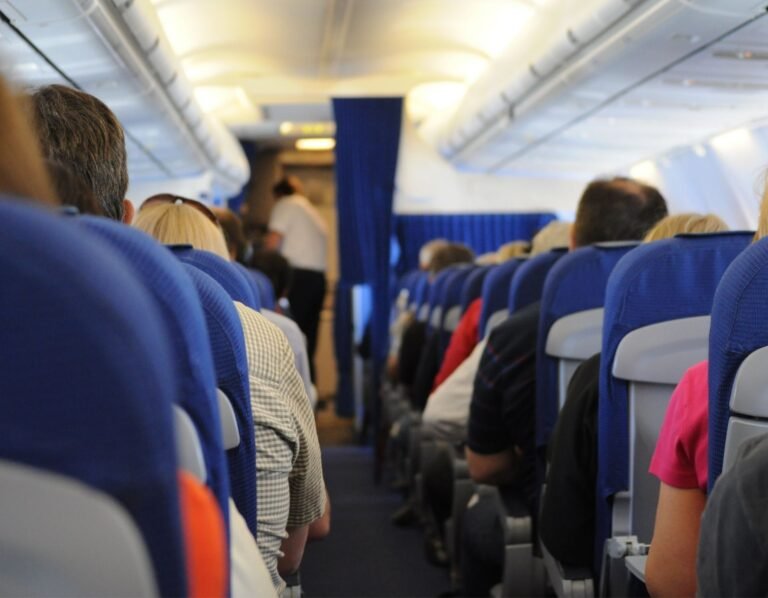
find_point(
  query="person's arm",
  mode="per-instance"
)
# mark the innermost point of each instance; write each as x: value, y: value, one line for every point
x: 293, y: 550
x: 671, y: 566
x: 320, y: 528
x: 496, y: 469
x: 273, y: 240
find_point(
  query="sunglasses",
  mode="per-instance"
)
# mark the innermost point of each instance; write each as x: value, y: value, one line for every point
x: 175, y: 199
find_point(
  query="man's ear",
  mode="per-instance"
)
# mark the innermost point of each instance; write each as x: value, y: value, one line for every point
x: 128, y: 211
x: 571, y: 238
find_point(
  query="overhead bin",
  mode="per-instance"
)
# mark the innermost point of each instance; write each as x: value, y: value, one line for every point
x: 613, y: 50
x: 116, y: 50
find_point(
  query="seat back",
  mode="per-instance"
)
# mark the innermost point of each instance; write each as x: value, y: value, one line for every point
x: 451, y: 305
x: 419, y: 298
x: 495, y: 294
x: 231, y: 366
x: 570, y: 325
x: 473, y: 286
x: 436, y: 296
x: 87, y: 377
x: 738, y: 330
x: 673, y: 279
x: 59, y: 537
x: 179, y: 306
x: 749, y: 404
x: 260, y: 285
x: 225, y: 273
x: 528, y: 280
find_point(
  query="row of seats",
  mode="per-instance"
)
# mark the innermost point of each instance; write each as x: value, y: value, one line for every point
x: 647, y: 310
x: 123, y: 363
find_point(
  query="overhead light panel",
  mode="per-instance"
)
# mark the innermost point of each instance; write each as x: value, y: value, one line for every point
x: 306, y: 129
x: 316, y: 144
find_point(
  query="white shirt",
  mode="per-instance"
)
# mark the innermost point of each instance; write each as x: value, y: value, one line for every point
x: 305, y: 236
x: 446, y: 414
x: 249, y: 575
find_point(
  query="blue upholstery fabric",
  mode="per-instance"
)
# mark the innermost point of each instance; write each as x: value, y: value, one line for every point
x: 251, y: 277
x: 666, y: 280
x: 266, y: 290
x: 473, y: 286
x: 739, y: 327
x: 496, y: 290
x: 87, y: 378
x: 225, y: 273
x: 180, y: 309
x: 421, y: 288
x: 528, y: 281
x: 437, y: 291
x: 575, y: 283
x: 482, y: 232
x: 454, y: 285
x: 231, y: 365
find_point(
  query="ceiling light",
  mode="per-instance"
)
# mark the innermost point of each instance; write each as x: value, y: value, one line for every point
x: 700, y: 150
x: 286, y: 128
x: 316, y: 144
x: 732, y: 139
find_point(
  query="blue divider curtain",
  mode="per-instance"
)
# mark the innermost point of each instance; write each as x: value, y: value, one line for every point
x: 482, y: 232
x: 367, y: 142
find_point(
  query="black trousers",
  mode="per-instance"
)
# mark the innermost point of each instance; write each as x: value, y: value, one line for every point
x: 306, y: 296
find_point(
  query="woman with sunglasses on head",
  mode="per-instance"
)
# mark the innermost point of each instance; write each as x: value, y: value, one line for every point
x: 290, y: 488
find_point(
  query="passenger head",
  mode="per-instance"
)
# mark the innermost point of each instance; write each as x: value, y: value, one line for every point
x: 22, y: 171
x: 512, y: 250
x: 618, y: 209
x: 79, y: 132
x: 556, y: 234
x: 72, y: 190
x: 428, y: 250
x: 276, y: 268
x: 232, y: 226
x: 288, y: 185
x: 689, y: 223
x: 179, y: 221
x: 451, y: 254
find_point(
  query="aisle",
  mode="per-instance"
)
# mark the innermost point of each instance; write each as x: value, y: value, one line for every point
x: 365, y: 555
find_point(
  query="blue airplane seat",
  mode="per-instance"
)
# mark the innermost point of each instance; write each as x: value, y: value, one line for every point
x: 266, y: 290
x: 473, y: 286
x: 231, y: 365
x: 739, y: 328
x: 228, y: 276
x: 667, y: 280
x: 419, y: 304
x: 180, y: 308
x: 528, y: 281
x: 451, y: 302
x: 87, y: 377
x: 260, y: 285
x: 495, y: 294
x: 576, y: 283
x: 436, y: 295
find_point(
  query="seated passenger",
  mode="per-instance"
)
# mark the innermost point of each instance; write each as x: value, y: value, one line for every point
x: 289, y: 481
x: 466, y: 335
x: 232, y: 227
x: 500, y: 442
x: 732, y: 555
x: 79, y: 134
x: 82, y: 135
x: 567, y: 516
x: 278, y: 269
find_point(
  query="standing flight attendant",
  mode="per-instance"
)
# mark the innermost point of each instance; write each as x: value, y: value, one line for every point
x: 298, y: 231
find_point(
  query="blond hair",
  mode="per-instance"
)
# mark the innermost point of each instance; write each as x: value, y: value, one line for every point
x: 22, y: 170
x: 556, y: 234
x: 688, y: 223
x: 511, y: 250
x: 181, y: 224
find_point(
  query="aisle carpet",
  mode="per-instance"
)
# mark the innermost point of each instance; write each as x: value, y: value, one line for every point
x: 365, y: 555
